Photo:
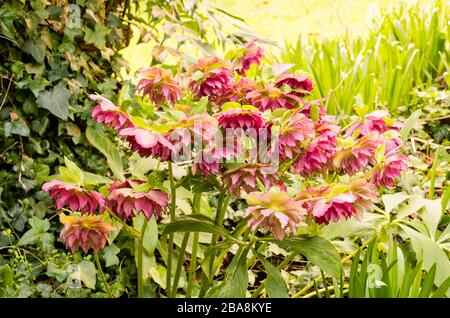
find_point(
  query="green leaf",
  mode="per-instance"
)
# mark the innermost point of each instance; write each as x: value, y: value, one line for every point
x: 430, y: 253
x: 97, y: 36
x: 74, y: 171
x: 391, y: 201
x: 151, y: 232
x: 194, y: 223
x: 87, y: 273
x: 6, y: 276
x: 105, y: 146
x: 427, y: 285
x: 409, y: 124
x: 274, y: 283
x: 16, y: 128
x: 29, y: 237
x: 94, y: 179
x: 236, y: 280
x: 110, y: 255
x: 56, y: 101
x: 318, y: 250
x: 36, y: 49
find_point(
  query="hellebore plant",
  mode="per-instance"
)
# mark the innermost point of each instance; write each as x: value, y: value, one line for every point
x: 241, y: 136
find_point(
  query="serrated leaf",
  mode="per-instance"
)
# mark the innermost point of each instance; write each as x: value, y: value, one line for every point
x: 105, y: 146
x: 236, y: 280
x: 318, y: 250
x: 56, y: 101
x: 194, y: 223
x: 274, y: 283
x: 87, y: 273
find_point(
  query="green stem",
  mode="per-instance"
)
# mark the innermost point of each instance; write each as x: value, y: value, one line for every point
x: 172, y: 218
x: 140, y: 261
x: 102, y: 276
x: 130, y: 229
x: 193, y: 264
x: 219, y: 220
x: 176, y: 278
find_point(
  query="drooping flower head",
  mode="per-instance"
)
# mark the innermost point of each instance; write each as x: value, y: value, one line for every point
x: 273, y: 98
x: 106, y: 112
x: 210, y: 77
x: 377, y: 121
x: 148, y: 143
x: 126, y: 202
x: 358, y: 155
x: 365, y: 192
x: 252, y: 54
x: 238, y: 92
x: 244, y: 178
x: 207, y: 162
x: 320, y: 151
x: 298, y: 85
x: 388, y: 170
x: 293, y: 132
x: 334, y: 209
x: 273, y: 211
x: 85, y: 232
x: 241, y: 118
x: 341, y: 201
x: 159, y: 85
x: 74, y: 197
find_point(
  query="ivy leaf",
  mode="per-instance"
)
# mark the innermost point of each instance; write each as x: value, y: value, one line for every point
x: 56, y: 101
x: 17, y: 128
x: 110, y: 255
x: 97, y: 36
x: 36, y: 49
x: 87, y: 273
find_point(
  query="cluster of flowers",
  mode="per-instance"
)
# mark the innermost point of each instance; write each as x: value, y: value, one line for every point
x: 302, y: 136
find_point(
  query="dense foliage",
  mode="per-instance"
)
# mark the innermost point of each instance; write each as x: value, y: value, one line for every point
x: 343, y: 216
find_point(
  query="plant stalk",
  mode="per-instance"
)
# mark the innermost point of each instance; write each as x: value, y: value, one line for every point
x: 193, y: 263
x: 172, y: 218
x: 141, y: 261
x: 102, y: 276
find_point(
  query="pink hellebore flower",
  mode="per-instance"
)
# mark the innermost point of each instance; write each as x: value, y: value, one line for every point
x: 210, y: 77
x: 244, y: 178
x: 240, y: 118
x: 299, y: 85
x: 148, y: 143
x: 159, y: 85
x: 294, y: 132
x: 74, y: 197
x: 85, y: 232
x: 340, y: 206
x: 253, y: 55
x: 374, y: 122
x: 386, y: 172
x: 274, y: 212
x: 320, y: 151
x: 127, y: 203
x: 273, y: 98
x: 238, y: 92
x: 106, y: 112
x: 357, y: 156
